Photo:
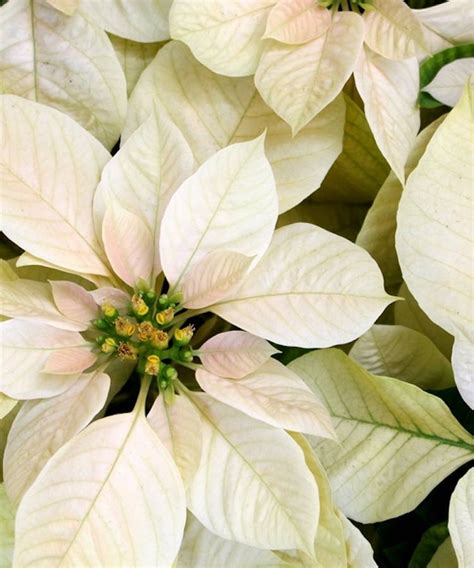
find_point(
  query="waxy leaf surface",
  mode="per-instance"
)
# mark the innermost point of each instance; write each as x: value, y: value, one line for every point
x: 389, y: 430
x: 43, y: 426
x: 128, y: 495
x: 230, y: 203
x: 308, y: 275
x: 49, y: 170
x: 66, y: 62
x: 246, y: 461
x: 224, y: 36
x: 434, y: 237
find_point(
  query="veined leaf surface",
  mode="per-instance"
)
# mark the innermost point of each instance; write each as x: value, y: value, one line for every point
x: 230, y: 203
x: 213, y: 111
x: 308, y: 274
x: 224, y: 36
x: 388, y: 430
x: 129, y: 504
x: 434, y: 237
x: 461, y: 519
x: 65, y: 62
x: 43, y: 426
x: 49, y: 170
x: 253, y: 463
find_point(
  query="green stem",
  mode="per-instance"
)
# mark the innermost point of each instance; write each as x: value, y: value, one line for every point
x: 145, y: 385
x: 188, y: 314
x: 193, y: 366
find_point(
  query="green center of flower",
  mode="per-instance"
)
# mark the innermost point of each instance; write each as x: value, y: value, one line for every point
x: 145, y: 332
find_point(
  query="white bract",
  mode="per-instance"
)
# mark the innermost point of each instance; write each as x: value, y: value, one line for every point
x: 302, y: 55
x: 211, y: 233
x: 434, y: 236
x: 158, y: 270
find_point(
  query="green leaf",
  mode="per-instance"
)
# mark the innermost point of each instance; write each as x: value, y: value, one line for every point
x: 429, y: 543
x: 360, y: 170
x: 429, y: 68
x: 396, y: 441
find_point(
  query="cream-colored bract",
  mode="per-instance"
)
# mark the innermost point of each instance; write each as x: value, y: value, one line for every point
x: 329, y: 546
x: 43, y: 426
x: 201, y: 547
x: 49, y: 57
x: 448, y: 85
x: 393, y: 30
x: 25, y: 350
x: 461, y: 519
x: 434, y: 237
x: 272, y: 394
x: 213, y: 277
x: 57, y: 224
x: 141, y: 20
x: 308, y: 274
x: 66, y: 6
x: 358, y: 549
x: 406, y: 438
x: 296, y: 21
x: 246, y: 461
x: 409, y: 314
x: 225, y: 36
x: 234, y: 194
x: 145, y: 173
x: 129, y: 245
x: 234, y: 354
x: 126, y: 489
x: 31, y: 300
x: 178, y: 426
x: 444, y: 20
x: 405, y: 354
x: 377, y: 234
x: 297, y: 82
x: 214, y: 111
x: 134, y: 57
x: 394, y: 125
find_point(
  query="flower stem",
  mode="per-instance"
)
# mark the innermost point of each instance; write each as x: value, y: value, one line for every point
x: 145, y: 385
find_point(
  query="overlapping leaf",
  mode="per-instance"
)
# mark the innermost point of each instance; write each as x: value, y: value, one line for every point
x: 434, y: 237
x: 126, y: 489
x: 49, y: 170
x: 390, y: 431
x: 213, y: 111
x: 43, y: 426
x: 63, y: 61
x: 308, y: 275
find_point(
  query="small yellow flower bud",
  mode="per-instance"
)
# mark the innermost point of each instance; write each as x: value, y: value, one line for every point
x: 152, y: 365
x: 164, y: 317
x: 109, y: 311
x: 139, y: 306
x: 125, y: 327
x: 183, y: 336
x: 145, y: 331
x: 109, y: 345
x: 160, y: 339
x: 127, y: 352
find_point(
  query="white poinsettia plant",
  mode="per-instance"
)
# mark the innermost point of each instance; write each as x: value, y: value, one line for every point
x: 213, y: 239
x: 153, y: 291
